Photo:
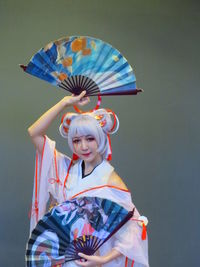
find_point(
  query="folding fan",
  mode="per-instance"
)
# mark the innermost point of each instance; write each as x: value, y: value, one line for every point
x: 80, y: 63
x: 79, y: 225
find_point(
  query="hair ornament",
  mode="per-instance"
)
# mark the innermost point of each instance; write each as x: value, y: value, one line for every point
x: 103, y: 117
x: 115, y: 126
x: 65, y: 123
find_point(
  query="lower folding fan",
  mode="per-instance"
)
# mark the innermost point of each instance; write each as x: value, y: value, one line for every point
x: 79, y: 225
x: 78, y: 63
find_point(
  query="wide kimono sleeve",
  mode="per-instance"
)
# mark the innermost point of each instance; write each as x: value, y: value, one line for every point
x: 129, y: 241
x: 50, y: 169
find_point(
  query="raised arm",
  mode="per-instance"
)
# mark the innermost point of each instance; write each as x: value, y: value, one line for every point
x: 38, y: 129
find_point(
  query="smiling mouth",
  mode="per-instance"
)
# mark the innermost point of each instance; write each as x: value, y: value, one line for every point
x: 86, y: 154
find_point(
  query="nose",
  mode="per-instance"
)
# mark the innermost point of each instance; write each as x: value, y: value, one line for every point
x: 84, y: 145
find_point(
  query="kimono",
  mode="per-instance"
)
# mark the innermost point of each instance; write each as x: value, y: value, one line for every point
x: 55, y: 175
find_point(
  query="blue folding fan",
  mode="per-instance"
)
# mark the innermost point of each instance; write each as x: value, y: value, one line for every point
x: 80, y: 63
x: 79, y: 225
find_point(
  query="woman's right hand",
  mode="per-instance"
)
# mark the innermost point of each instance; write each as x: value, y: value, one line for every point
x: 38, y: 129
x: 79, y: 100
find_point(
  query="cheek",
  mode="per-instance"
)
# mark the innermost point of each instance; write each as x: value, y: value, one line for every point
x: 75, y: 147
x: 95, y: 145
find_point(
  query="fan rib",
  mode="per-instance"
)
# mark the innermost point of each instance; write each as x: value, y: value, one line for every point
x: 94, y: 89
x: 84, y: 81
x: 70, y: 85
x: 64, y: 87
x: 81, y: 80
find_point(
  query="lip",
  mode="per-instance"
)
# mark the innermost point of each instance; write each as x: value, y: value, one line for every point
x: 86, y: 154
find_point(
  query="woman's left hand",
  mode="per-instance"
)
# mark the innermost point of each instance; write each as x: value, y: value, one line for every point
x: 92, y: 261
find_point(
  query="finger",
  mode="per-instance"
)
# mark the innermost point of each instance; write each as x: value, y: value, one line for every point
x: 85, y: 99
x: 83, y: 102
x: 87, y: 257
x: 82, y: 94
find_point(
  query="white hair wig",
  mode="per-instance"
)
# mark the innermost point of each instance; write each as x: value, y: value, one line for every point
x: 84, y: 125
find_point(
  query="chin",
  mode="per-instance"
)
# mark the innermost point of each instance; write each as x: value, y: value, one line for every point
x: 91, y: 158
x: 88, y: 159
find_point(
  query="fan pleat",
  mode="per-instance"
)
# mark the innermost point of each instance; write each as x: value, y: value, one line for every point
x: 44, y: 61
x: 90, y: 63
x: 44, y: 66
x: 42, y: 226
x: 112, y: 79
x: 46, y: 236
x: 109, y: 206
x: 52, y: 54
x: 108, y: 69
x: 113, y: 218
x: 61, y: 232
x: 47, y: 247
x: 112, y: 74
x: 115, y: 64
x: 99, y: 60
x: 62, y: 245
x: 39, y: 73
x: 110, y: 84
x: 102, y: 61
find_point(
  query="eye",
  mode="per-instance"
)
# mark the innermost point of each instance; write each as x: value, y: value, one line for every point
x: 90, y: 138
x: 76, y: 141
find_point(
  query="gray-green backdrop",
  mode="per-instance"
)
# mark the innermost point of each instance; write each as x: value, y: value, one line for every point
x: 157, y: 148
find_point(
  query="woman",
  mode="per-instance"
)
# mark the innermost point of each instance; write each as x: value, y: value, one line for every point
x: 58, y: 177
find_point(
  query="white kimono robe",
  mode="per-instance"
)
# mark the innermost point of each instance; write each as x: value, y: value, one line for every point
x: 51, y: 169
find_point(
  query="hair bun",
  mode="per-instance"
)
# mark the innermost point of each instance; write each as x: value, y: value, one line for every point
x: 103, y: 117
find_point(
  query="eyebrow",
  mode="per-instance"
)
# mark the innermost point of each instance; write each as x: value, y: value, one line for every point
x: 88, y: 135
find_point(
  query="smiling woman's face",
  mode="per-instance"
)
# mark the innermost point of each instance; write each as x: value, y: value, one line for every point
x: 86, y: 148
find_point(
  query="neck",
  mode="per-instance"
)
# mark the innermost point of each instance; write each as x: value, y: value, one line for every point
x: 89, y: 166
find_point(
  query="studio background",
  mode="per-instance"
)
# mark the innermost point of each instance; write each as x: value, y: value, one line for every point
x: 156, y: 150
